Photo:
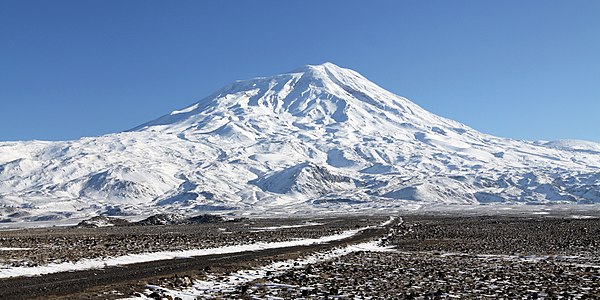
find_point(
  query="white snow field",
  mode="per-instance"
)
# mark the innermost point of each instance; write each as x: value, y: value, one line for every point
x: 318, y: 139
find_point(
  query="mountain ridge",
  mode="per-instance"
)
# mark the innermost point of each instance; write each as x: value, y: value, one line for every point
x: 283, y: 144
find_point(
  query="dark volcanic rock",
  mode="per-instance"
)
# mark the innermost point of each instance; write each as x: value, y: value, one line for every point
x: 163, y: 219
x: 101, y: 221
x: 208, y: 218
x: 176, y: 219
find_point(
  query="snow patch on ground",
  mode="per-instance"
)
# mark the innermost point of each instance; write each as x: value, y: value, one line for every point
x: 87, y: 264
x: 582, y: 217
x: 561, y: 259
x: 214, y: 284
x: 13, y: 249
x: 270, y: 228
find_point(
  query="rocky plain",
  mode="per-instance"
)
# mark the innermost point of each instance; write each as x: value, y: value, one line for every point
x: 443, y: 257
x: 416, y: 256
x: 39, y: 246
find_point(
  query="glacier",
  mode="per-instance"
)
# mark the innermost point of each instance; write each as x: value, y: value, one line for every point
x: 319, y: 139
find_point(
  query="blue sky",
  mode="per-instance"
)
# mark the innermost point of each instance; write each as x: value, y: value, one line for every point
x: 519, y: 69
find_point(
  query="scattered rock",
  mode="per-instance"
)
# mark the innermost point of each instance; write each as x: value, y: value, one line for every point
x: 162, y: 219
x: 101, y: 221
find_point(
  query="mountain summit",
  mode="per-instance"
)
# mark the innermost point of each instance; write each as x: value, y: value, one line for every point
x: 318, y: 139
x: 325, y: 94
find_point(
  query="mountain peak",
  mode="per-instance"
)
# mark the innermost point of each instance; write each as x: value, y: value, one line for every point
x: 333, y: 72
x: 322, y: 137
x: 313, y: 96
x: 326, y: 66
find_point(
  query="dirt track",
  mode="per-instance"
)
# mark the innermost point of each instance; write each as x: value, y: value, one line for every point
x: 516, y: 256
x: 93, y: 284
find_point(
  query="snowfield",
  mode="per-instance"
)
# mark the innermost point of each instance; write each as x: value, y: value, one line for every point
x: 318, y: 139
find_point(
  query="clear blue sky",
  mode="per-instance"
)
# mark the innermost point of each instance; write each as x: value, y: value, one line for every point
x: 520, y: 69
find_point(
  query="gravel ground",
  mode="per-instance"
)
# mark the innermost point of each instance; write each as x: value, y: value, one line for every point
x: 435, y: 257
x: 374, y: 275
x: 55, y: 245
x: 501, y: 235
x: 454, y: 257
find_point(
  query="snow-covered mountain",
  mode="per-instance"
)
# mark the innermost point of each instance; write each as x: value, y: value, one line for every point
x: 319, y: 138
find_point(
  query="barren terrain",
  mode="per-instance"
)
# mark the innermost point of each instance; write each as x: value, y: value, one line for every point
x: 408, y: 257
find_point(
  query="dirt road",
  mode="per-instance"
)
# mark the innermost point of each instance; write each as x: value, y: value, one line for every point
x: 94, y: 284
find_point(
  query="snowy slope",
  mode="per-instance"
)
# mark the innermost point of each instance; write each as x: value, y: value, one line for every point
x: 319, y: 138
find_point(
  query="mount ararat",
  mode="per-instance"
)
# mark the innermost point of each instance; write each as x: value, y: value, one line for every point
x: 317, y: 139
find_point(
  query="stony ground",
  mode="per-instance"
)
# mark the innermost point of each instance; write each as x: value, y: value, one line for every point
x: 453, y: 258
x: 435, y: 257
x: 501, y: 235
x: 55, y: 245
x: 376, y: 275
